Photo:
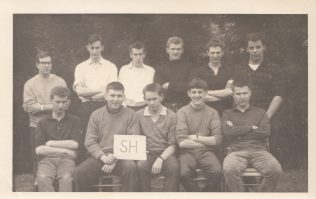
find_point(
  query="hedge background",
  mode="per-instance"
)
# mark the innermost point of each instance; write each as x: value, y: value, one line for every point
x: 66, y: 36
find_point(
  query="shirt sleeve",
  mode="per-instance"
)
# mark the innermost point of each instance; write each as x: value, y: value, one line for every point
x: 133, y: 125
x: 40, y: 135
x: 92, y: 138
x: 79, y: 77
x: 182, y: 131
x: 29, y: 98
x: 172, y: 130
x: 113, y: 74
x: 76, y: 130
x: 231, y: 132
x: 216, y: 128
x: 263, y: 130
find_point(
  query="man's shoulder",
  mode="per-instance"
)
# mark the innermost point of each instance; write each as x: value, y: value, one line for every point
x: 140, y: 113
x: 73, y: 117
x: 258, y: 109
x: 98, y: 112
x: 107, y: 63
x: 149, y: 68
x: 83, y: 64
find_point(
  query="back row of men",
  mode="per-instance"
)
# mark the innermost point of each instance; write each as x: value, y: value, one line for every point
x: 95, y: 74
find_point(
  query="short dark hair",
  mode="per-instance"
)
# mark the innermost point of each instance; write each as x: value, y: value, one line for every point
x: 154, y: 87
x: 258, y: 36
x: 115, y: 86
x: 197, y: 83
x: 95, y: 37
x: 42, y: 54
x: 215, y: 43
x: 175, y: 40
x: 137, y: 45
x: 60, y: 91
x: 241, y: 83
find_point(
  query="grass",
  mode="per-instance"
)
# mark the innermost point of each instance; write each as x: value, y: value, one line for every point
x: 294, y: 180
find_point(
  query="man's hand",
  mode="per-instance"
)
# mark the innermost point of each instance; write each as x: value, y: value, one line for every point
x: 72, y: 153
x: 229, y: 84
x: 165, y: 85
x: 108, y: 168
x: 229, y: 123
x: 129, y: 102
x: 254, y: 127
x: 34, y: 109
x: 156, y: 168
x: 193, y: 137
x: 108, y: 159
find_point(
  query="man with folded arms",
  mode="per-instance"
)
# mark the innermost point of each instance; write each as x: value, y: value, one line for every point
x: 246, y: 130
x: 199, y: 135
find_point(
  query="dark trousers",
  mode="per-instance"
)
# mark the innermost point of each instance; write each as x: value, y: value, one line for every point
x: 85, y: 110
x: 170, y: 169
x: 89, y: 171
x: 207, y: 162
x: 32, y: 145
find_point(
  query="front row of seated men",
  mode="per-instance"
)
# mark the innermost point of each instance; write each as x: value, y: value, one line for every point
x: 196, y: 130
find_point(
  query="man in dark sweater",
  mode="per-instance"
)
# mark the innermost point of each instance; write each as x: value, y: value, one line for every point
x: 198, y: 134
x: 218, y: 78
x: 104, y: 123
x: 246, y: 129
x: 158, y: 124
x: 174, y: 75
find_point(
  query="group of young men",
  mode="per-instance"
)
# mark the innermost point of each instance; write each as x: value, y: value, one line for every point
x: 187, y: 116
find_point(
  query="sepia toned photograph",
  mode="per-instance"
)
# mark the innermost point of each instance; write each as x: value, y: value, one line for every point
x: 176, y: 102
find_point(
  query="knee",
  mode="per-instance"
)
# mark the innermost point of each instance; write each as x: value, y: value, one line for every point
x: 67, y: 177
x: 186, y: 172
x: 142, y: 165
x: 273, y: 170
x: 43, y: 178
x: 229, y: 169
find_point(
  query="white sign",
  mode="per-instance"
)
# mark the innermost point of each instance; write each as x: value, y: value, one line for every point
x: 130, y: 147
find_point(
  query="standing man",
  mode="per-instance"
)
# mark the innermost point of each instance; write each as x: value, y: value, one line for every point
x: 218, y: 78
x: 174, y: 75
x: 57, y: 141
x: 267, y: 82
x: 36, y: 95
x: 91, y: 78
x: 135, y: 76
x: 246, y: 129
x: 158, y: 124
x: 199, y: 135
x: 112, y: 119
x: 265, y: 77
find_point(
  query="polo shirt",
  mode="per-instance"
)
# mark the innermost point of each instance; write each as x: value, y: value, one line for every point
x: 134, y: 80
x: 216, y: 82
x: 159, y: 134
x: 94, y: 76
x: 49, y: 128
x: 267, y: 82
x: 241, y: 136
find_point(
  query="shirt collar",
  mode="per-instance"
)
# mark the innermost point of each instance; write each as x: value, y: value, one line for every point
x: 50, y: 116
x: 101, y: 61
x: 237, y: 110
x: 162, y: 112
x: 130, y: 66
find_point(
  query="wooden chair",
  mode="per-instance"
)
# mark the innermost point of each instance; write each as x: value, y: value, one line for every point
x: 252, y: 179
x: 108, y: 182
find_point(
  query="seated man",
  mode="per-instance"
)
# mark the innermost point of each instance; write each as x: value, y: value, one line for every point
x: 158, y: 124
x: 57, y: 138
x: 246, y: 129
x: 104, y: 123
x: 198, y: 134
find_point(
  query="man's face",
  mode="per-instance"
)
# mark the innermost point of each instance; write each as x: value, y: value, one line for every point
x: 242, y: 96
x: 197, y: 96
x: 137, y: 56
x: 44, y: 65
x: 215, y: 54
x: 60, y: 104
x: 114, y: 98
x: 255, y: 50
x: 153, y: 101
x: 95, y: 49
x: 175, y: 51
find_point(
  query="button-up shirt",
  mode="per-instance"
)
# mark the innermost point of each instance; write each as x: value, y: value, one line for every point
x: 135, y: 79
x: 94, y: 75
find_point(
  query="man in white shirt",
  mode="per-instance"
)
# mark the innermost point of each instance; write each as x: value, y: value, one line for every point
x: 135, y: 76
x: 91, y: 78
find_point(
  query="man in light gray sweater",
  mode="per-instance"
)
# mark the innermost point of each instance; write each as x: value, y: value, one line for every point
x: 198, y: 134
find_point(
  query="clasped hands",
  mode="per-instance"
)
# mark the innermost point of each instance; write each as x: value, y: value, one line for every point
x: 109, y: 162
